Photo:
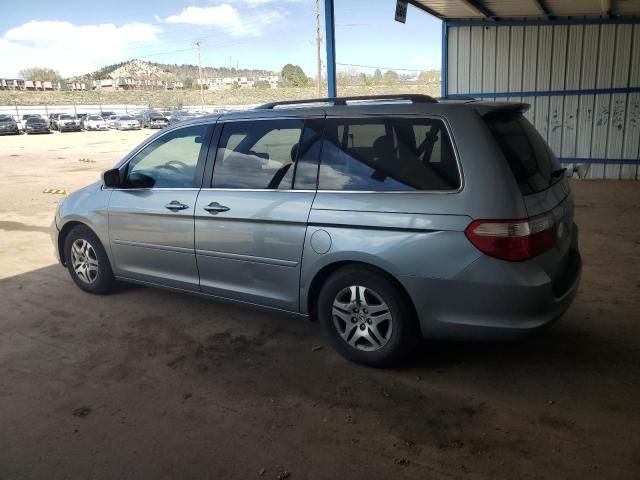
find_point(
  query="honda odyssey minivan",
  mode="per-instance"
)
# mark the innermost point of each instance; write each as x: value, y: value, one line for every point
x: 386, y: 218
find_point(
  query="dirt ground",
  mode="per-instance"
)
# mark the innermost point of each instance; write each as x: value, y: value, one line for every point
x: 145, y: 384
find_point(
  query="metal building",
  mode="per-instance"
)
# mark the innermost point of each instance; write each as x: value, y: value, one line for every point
x: 576, y: 62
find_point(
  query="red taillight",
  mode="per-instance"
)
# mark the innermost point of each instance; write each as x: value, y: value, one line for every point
x: 513, y: 240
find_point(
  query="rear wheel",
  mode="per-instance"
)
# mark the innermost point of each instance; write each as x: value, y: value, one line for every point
x: 367, y: 318
x: 87, y: 261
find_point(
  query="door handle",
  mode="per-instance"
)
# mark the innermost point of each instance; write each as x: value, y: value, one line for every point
x: 215, y: 207
x: 175, y: 206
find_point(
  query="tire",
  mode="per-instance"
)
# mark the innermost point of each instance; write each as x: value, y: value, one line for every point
x: 95, y: 274
x: 380, y: 334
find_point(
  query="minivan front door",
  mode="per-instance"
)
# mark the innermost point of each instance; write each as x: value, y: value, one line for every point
x: 251, y: 223
x: 151, y: 217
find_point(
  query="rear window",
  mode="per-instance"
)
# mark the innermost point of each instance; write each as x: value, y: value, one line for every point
x: 388, y: 154
x: 531, y: 160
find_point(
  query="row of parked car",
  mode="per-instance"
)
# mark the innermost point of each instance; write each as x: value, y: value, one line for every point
x: 65, y: 122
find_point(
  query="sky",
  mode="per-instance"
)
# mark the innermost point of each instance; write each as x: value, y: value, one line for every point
x: 79, y: 36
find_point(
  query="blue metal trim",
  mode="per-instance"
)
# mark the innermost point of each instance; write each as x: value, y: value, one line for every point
x: 555, y: 21
x: 330, y: 34
x: 547, y: 93
x: 445, y: 59
x: 606, y: 161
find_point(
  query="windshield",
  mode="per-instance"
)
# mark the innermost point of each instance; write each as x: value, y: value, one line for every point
x: 95, y: 118
x: 6, y: 118
x: 156, y: 116
x: 67, y: 117
x: 126, y: 117
x: 35, y: 120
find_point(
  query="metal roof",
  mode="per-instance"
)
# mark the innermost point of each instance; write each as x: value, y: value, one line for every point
x: 529, y: 9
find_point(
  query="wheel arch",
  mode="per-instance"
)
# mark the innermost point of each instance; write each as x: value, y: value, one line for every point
x: 326, y: 271
x: 62, y: 236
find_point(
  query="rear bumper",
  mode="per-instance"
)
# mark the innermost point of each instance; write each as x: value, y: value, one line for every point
x: 492, y: 299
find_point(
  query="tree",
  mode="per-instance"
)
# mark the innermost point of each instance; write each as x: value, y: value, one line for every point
x: 262, y: 84
x: 390, y: 77
x: 187, y: 82
x: 40, y: 73
x: 377, y: 77
x: 429, y: 76
x: 294, y: 76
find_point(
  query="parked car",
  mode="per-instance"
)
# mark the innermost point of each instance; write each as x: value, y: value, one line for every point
x: 95, y: 122
x: 180, y: 116
x: 126, y: 122
x: 8, y: 125
x: 153, y: 119
x: 386, y: 218
x: 52, y: 120
x: 111, y: 121
x: 36, y: 124
x: 67, y: 123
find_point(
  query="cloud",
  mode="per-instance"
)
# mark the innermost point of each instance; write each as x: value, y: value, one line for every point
x: 70, y: 49
x: 228, y: 18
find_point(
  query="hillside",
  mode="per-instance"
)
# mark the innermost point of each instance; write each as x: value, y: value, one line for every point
x: 164, y: 71
x: 169, y: 98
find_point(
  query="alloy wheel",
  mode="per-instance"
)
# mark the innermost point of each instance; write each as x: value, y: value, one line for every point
x: 362, y: 318
x: 84, y: 261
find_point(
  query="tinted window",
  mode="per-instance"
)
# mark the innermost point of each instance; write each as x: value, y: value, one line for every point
x: 31, y: 120
x: 170, y: 161
x: 257, y: 155
x: 387, y: 154
x: 528, y: 155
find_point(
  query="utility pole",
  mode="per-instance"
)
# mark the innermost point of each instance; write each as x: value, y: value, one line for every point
x: 199, y: 44
x: 318, y: 42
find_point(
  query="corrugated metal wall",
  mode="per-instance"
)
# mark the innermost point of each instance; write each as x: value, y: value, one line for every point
x: 522, y: 58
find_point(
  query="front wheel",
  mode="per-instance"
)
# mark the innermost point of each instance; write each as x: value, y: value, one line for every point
x: 87, y: 261
x: 367, y: 318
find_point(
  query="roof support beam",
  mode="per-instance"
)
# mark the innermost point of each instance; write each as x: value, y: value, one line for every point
x: 424, y: 8
x: 479, y: 8
x: 542, y: 7
x: 605, y: 7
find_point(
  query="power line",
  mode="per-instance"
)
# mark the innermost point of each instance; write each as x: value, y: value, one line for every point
x: 380, y: 67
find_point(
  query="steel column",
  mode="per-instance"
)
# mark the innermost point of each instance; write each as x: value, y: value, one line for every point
x: 330, y: 35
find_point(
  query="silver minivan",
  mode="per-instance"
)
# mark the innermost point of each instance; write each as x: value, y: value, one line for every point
x: 386, y: 218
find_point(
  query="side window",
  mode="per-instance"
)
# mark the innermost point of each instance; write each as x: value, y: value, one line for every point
x: 258, y: 154
x: 168, y: 162
x: 306, y: 170
x: 387, y: 154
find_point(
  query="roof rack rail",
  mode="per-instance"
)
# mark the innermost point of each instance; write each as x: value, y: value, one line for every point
x: 414, y: 97
x: 456, y: 97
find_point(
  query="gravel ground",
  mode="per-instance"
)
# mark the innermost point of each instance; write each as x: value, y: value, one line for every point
x: 148, y: 384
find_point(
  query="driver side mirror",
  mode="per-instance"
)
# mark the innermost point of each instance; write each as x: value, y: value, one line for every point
x: 111, y: 178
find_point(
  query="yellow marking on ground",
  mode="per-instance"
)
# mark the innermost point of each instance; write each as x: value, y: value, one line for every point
x: 56, y: 191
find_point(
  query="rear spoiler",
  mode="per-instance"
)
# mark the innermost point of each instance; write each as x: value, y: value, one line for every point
x: 491, y: 109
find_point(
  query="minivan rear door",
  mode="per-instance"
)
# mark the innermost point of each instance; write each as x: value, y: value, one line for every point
x: 251, y: 219
x: 542, y: 182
